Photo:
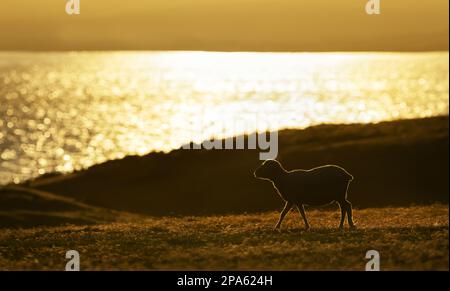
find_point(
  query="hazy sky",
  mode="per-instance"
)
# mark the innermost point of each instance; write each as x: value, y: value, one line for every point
x: 261, y: 25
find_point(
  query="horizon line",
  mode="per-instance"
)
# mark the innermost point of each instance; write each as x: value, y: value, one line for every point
x: 224, y: 51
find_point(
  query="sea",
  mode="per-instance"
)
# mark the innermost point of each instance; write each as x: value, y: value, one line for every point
x: 65, y: 111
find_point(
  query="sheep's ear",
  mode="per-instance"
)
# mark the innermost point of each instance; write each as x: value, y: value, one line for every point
x: 280, y: 160
x: 279, y: 157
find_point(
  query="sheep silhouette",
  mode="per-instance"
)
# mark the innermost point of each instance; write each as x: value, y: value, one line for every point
x: 317, y: 186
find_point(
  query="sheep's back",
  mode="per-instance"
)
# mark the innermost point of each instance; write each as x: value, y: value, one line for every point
x: 318, y: 185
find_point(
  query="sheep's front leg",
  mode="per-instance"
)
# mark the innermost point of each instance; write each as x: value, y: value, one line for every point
x: 283, y: 213
x: 301, y: 209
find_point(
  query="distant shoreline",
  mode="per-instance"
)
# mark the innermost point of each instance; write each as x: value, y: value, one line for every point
x: 51, y: 174
x: 281, y: 131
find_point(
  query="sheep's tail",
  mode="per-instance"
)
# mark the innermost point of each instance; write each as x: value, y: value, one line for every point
x: 349, y: 176
x: 344, y: 174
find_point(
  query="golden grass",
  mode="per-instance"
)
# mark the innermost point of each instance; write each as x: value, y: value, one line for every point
x: 410, y: 238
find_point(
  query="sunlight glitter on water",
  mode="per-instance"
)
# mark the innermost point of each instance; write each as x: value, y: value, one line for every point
x: 66, y: 111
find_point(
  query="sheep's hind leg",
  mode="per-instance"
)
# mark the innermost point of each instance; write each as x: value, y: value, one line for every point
x: 343, y: 212
x: 283, y: 213
x: 301, y: 209
x: 348, y: 209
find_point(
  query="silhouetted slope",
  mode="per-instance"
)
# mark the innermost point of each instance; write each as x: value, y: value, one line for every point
x: 394, y: 163
x: 21, y: 207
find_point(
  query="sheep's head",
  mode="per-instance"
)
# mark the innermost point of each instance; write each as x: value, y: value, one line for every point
x: 268, y: 170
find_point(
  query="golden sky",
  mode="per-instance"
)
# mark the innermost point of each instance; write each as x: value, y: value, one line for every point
x: 241, y: 25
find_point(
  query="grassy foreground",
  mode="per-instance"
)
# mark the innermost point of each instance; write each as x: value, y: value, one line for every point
x: 411, y: 238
